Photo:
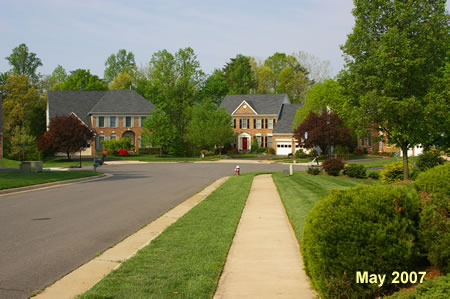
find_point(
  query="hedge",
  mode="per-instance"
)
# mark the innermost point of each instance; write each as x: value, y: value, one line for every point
x: 366, y: 228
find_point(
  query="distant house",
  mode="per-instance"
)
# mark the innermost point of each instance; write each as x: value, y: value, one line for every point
x: 111, y: 114
x: 1, y: 127
x: 267, y: 118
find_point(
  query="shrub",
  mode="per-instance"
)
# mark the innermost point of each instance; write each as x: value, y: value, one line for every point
x: 392, y: 173
x: 113, y: 146
x: 313, y: 153
x: 355, y: 171
x: 366, y: 228
x: 435, y: 180
x: 434, y: 228
x: 313, y: 170
x: 431, y: 288
x: 333, y: 166
x: 374, y: 175
x: 429, y: 160
x: 270, y: 151
x: 300, y: 154
x: 149, y: 151
x: 255, y: 147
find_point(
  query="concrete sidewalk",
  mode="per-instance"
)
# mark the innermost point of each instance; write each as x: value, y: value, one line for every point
x: 264, y: 260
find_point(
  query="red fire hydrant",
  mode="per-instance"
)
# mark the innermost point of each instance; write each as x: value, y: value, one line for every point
x: 237, y: 170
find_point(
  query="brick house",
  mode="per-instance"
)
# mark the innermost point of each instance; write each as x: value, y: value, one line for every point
x: 112, y: 114
x: 266, y: 117
x: 373, y: 142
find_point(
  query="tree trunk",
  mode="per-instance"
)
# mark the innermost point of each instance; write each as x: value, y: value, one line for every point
x: 68, y: 155
x: 405, y: 162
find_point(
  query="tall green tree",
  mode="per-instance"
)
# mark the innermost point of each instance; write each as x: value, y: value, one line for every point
x: 23, y: 106
x: 394, y: 55
x: 24, y: 62
x: 174, y: 85
x: 215, y: 87
x: 81, y: 79
x: 122, y: 81
x: 122, y: 62
x: 159, y: 131
x: 322, y: 96
x: 240, y: 76
x: 209, y: 127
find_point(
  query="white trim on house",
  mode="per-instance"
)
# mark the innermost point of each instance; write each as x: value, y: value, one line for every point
x: 73, y: 113
x: 242, y: 136
x: 244, y: 102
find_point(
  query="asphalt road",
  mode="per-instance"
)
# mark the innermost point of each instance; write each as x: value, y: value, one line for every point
x: 45, y: 234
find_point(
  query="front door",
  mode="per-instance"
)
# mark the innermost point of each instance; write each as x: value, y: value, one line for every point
x: 244, y: 143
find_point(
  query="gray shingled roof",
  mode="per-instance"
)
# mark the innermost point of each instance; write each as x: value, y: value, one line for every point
x: 77, y: 101
x: 261, y: 103
x: 287, y: 116
x: 122, y: 101
x: 84, y: 103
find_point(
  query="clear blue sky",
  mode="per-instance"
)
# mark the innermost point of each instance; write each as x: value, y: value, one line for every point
x: 83, y: 33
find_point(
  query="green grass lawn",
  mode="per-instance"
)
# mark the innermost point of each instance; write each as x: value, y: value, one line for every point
x: 18, y: 179
x: 7, y: 163
x: 63, y: 162
x: 381, y: 163
x: 301, y: 192
x: 48, y: 162
x: 186, y: 260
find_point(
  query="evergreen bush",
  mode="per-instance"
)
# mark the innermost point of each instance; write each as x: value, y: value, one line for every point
x: 374, y: 175
x: 392, y: 173
x: 366, y: 228
x: 429, y: 160
x: 437, y: 288
x: 313, y: 170
x: 434, y: 228
x: 300, y: 154
x: 355, y: 171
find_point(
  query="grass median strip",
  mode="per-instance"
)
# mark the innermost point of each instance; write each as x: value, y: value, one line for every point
x: 187, y: 259
x: 301, y: 192
x: 16, y: 179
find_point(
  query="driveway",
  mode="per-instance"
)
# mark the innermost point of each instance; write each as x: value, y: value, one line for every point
x: 45, y: 234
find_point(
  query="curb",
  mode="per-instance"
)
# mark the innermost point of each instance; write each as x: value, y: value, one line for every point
x: 52, y: 184
x: 86, y: 276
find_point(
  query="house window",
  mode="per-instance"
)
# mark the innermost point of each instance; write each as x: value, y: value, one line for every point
x: 362, y: 141
x: 128, y: 121
x: 100, y: 138
x: 113, y: 137
x: 139, y: 142
x: 259, y: 140
x: 234, y: 123
x: 258, y: 123
x: 269, y: 141
x: 244, y: 123
x: 101, y: 121
x: 270, y: 124
x: 112, y: 122
x: 369, y: 141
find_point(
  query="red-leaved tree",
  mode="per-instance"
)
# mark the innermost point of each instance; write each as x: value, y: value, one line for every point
x: 324, y: 130
x: 66, y: 134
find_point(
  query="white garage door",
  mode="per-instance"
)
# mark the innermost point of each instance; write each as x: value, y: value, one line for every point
x: 284, y: 148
